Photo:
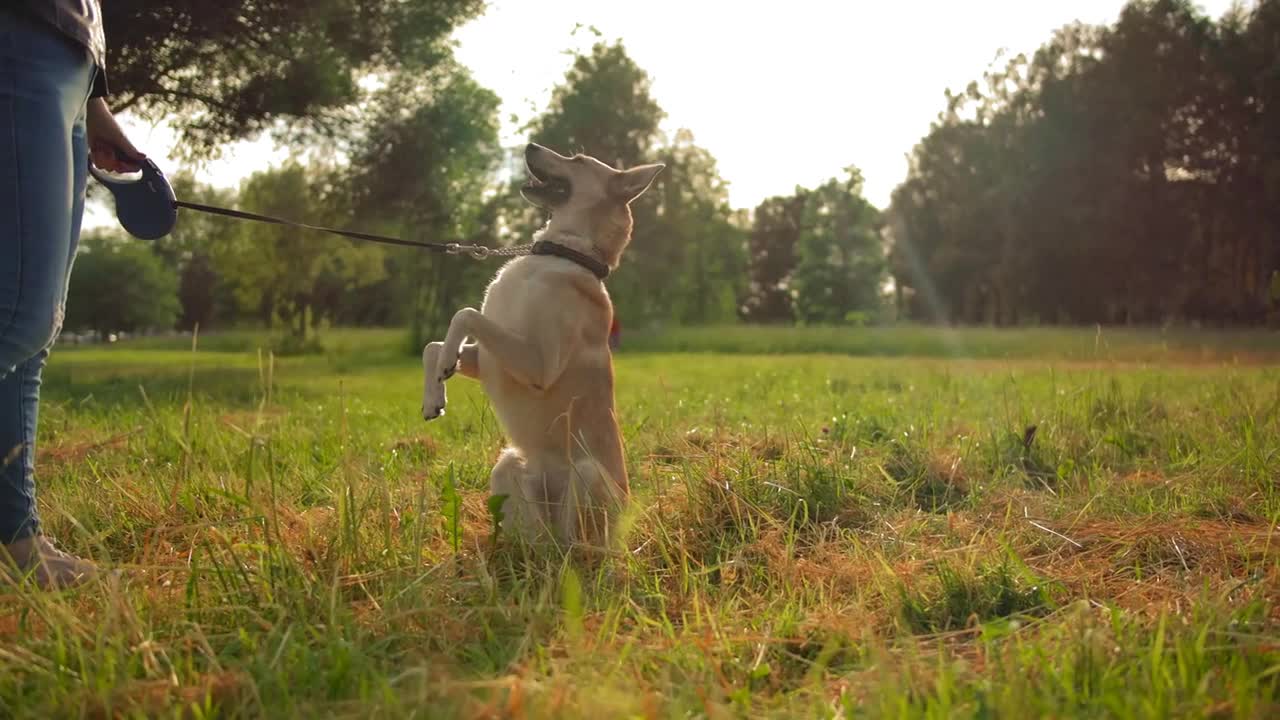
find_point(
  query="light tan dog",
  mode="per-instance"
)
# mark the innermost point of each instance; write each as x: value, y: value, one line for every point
x: 540, y: 346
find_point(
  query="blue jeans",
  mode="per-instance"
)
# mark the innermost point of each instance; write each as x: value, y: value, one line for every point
x: 44, y: 87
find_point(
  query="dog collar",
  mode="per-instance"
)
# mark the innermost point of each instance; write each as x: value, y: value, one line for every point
x: 546, y: 247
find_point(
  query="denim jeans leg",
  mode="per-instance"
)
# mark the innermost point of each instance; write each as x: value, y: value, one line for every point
x: 44, y: 84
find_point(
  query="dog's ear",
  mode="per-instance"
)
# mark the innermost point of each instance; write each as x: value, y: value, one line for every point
x: 630, y: 184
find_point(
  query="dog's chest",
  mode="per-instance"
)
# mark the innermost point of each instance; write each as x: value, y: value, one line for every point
x: 528, y: 295
x: 512, y: 296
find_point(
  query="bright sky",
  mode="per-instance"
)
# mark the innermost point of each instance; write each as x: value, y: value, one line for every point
x: 782, y: 94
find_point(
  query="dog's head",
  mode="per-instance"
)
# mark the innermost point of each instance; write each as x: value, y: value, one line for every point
x: 586, y: 197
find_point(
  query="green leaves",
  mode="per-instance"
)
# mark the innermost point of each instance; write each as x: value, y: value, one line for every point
x: 292, y: 275
x: 423, y: 167
x: 229, y: 70
x: 1118, y: 175
x: 496, y: 514
x: 685, y: 239
x: 817, y: 256
x: 119, y: 284
x: 571, y: 601
x: 840, y: 265
x: 603, y: 108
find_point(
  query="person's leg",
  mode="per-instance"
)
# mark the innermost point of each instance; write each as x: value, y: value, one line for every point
x: 44, y: 84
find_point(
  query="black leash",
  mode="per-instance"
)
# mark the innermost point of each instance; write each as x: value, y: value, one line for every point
x: 242, y: 215
x: 479, y: 252
x: 450, y: 248
x: 148, y: 209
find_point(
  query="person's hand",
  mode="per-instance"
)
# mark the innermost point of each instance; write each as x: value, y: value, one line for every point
x: 109, y: 149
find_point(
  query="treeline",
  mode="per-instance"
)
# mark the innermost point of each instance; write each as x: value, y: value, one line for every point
x: 423, y: 162
x: 416, y: 154
x: 1122, y: 174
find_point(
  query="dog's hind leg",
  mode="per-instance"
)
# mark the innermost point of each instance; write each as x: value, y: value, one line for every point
x: 524, y: 511
x: 588, y: 505
x: 469, y: 361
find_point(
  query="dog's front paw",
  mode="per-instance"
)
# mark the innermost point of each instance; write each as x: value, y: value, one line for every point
x: 432, y: 406
x: 433, y: 401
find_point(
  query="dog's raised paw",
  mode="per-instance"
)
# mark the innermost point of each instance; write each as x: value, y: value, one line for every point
x: 433, y: 401
x: 451, y: 370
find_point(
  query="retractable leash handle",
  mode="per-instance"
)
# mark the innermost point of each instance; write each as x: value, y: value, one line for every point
x: 146, y: 206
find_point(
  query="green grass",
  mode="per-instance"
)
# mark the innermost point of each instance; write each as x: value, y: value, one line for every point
x: 812, y: 535
x: 1111, y: 344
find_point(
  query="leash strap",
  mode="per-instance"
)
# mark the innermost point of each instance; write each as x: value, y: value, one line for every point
x: 148, y: 209
x: 477, y: 251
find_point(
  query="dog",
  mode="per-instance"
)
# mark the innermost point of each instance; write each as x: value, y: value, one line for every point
x: 539, y: 344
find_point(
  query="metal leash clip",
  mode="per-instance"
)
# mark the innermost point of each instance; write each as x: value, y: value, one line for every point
x: 479, y: 252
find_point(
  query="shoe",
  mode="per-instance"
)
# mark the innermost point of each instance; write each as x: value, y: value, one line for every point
x: 37, y: 558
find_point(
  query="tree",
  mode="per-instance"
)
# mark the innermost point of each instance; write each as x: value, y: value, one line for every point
x: 283, y: 273
x: 603, y: 108
x: 199, y: 293
x: 695, y: 216
x: 188, y: 253
x: 424, y: 167
x: 815, y: 256
x: 840, y: 266
x: 227, y: 70
x: 685, y: 239
x: 771, y: 252
x: 119, y: 284
x: 1122, y: 174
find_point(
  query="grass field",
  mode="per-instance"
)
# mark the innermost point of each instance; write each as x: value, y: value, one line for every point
x: 976, y: 524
